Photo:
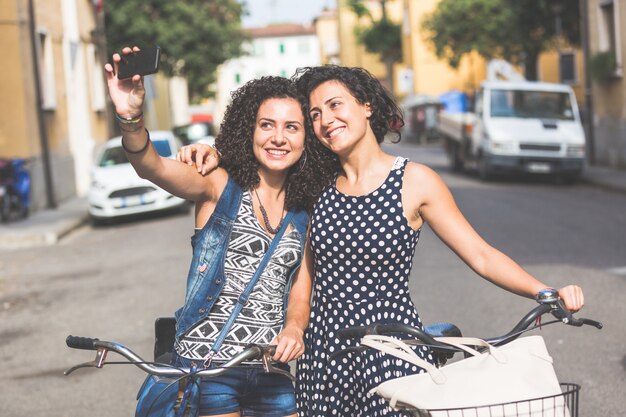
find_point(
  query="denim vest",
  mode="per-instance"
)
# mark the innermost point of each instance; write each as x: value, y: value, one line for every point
x: 206, y: 280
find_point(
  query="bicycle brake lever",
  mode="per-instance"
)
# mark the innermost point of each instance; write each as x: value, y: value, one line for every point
x: 98, y: 362
x: 580, y: 322
x: 562, y: 313
x: 267, y: 364
x: 91, y: 364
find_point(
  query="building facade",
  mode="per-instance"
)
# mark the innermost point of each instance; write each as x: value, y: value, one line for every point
x: 54, y: 109
x: 606, y: 20
x: 326, y: 28
x: 351, y: 52
x: 273, y: 50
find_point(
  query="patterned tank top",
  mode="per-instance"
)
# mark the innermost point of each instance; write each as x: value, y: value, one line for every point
x: 261, y: 319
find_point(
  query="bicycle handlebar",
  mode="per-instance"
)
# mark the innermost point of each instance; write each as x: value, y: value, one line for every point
x: 557, y: 308
x: 250, y: 352
x: 76, y: 342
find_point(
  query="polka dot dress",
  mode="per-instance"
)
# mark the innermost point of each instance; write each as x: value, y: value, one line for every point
x: 363, y: 253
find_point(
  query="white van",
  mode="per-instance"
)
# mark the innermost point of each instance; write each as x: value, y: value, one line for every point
x: 518, y: 126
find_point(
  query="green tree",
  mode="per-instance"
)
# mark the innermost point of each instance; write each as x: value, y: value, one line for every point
x: 195, y: 36
x: 382, y: 36
x: 515, y: 30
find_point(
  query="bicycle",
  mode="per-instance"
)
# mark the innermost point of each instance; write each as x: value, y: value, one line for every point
x: 567, y: 400
x: 160, y: 368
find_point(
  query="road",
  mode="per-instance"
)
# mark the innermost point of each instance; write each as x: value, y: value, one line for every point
x: 112, y: 282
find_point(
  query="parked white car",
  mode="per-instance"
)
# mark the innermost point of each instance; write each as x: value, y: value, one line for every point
x: 116, y: 189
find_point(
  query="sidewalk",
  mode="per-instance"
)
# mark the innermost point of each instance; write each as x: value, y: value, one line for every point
x: 46, y: 227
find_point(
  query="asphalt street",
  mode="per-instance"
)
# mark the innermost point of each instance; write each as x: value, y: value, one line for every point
x: 112, y: 282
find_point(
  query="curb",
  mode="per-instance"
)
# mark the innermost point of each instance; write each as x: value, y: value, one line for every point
x: 46, y: 227
x: 604, y: 185
x: 20, y: 239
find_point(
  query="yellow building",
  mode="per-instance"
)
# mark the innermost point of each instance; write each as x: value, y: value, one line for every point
x: 327, y: 31
x: 351, y: 52
x: 433, y: 76
x: 420, y: 71
x: 57, y: 132
x: 607, y: 34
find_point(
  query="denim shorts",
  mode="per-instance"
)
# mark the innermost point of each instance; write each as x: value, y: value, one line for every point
x: 248, y: 390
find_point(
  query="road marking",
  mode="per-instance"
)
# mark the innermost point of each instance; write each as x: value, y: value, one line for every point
x: 621, y: 270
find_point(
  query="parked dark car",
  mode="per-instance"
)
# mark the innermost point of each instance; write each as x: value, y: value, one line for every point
x: 196, y: 132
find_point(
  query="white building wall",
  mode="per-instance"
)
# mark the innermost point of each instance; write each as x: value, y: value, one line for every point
x: 77, y: 88
x: 265, y: 57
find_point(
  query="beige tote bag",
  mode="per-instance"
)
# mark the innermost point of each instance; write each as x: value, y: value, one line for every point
x: 518, y: 373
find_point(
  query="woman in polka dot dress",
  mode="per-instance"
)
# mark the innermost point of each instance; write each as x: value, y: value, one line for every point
x: 364, y: 230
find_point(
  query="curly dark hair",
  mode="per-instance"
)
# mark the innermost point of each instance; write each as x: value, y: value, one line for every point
x: 306, y: 179
x: 386, y: 115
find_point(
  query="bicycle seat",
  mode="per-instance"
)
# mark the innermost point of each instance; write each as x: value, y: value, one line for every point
x: 443, y: 330
x: 164, y: 334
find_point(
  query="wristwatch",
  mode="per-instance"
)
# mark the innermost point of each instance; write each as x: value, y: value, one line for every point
x: 547, y: 295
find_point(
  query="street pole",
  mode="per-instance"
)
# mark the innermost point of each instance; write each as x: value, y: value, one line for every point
x: 43, y: 133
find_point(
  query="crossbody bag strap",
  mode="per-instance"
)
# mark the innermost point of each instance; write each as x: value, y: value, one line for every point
x: 242, y: 300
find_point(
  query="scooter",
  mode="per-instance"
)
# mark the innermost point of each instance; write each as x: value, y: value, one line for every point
x: 14, y: 189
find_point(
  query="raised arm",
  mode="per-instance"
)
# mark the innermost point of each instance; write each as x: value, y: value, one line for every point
x: 177, y: 178
x: 433, y: 203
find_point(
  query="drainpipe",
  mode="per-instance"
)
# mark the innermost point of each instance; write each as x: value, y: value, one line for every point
x: 43, y: 133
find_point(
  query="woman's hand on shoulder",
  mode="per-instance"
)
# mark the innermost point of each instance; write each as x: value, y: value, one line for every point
x: 289, y: 344
x: 205, y: 158
x: 573, y: 297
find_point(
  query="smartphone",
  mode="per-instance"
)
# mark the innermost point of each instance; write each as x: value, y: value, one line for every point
x: 143, y: 62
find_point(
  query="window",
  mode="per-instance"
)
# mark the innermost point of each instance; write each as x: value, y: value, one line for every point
x: 567, y: 67
x: 281, y: 48
x: 113, y: 156
x: 303, y: 46
x: 609, y: 30
x: 163, y: 147
x: 238, y: 78
x: 531, y: 104
x: 259, y: 49
x: 46, y: 70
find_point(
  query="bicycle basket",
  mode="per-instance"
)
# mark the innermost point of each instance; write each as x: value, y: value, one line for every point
x: 560, y: 405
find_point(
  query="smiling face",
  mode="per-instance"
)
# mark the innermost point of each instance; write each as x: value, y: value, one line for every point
x: 278, y: 135
x: 339, y: 120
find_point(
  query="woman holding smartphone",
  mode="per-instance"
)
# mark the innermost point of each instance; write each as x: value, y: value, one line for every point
x: 271, y: 173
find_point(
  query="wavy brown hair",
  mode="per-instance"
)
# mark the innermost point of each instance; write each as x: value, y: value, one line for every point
x: 364, y: 87
x: 306, y: 179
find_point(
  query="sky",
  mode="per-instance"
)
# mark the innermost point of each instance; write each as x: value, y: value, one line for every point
x: 264, y: 12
